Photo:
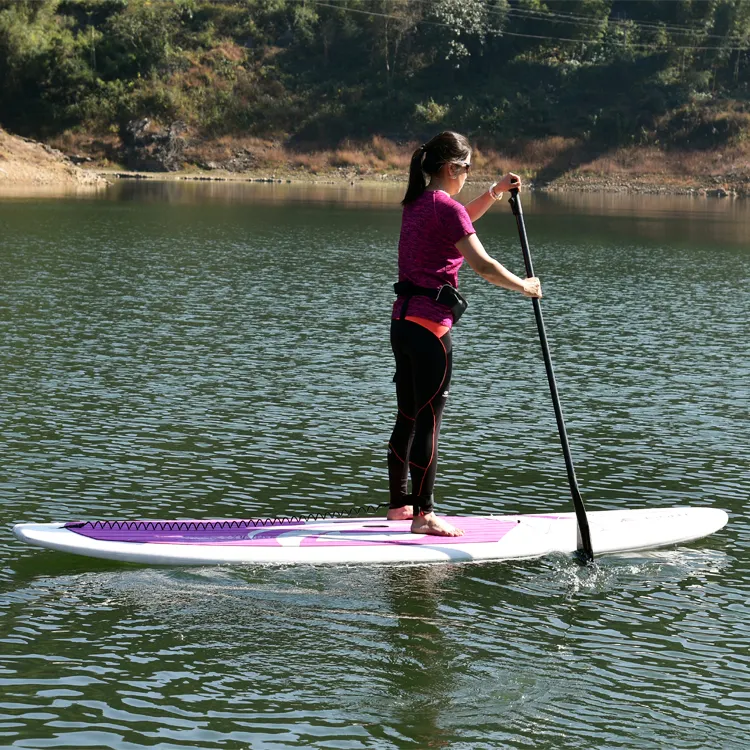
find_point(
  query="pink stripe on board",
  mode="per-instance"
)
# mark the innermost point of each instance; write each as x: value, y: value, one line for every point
x: 364, y: 532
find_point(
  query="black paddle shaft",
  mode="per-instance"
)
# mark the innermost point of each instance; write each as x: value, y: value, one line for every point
x: 584, y: 535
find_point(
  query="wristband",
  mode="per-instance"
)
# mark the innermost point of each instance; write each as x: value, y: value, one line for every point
x: 495, y: 196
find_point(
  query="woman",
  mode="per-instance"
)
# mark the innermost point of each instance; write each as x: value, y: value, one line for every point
x: 437, y: 234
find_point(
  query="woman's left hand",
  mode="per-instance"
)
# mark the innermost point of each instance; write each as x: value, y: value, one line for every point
x: 508, y: 182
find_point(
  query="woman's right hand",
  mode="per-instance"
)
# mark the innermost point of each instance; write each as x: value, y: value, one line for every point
x: 532, y: 287
x: 510, y: 181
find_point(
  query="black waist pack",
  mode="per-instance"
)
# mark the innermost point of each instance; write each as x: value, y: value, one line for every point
x: 446, y: 295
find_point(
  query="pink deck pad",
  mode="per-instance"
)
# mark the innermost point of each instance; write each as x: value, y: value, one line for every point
x: 354, y: 532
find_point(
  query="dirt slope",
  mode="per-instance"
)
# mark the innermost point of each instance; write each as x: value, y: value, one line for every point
x: 26, y: 163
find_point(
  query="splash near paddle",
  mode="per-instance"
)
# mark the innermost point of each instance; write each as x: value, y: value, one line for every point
x: 374, y: 540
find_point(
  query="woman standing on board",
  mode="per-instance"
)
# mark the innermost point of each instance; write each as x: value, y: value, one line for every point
x: 437, y: 234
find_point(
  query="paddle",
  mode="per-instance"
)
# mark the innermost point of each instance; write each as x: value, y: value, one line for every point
x: 584, y: 537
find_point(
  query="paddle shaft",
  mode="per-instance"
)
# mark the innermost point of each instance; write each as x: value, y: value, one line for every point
x: 580, y: 509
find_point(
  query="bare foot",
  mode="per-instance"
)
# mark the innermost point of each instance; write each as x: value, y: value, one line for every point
x: 431, y: 524
x: 400, y: 514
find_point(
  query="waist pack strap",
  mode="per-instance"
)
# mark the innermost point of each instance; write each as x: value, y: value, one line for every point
x: 409, y: 290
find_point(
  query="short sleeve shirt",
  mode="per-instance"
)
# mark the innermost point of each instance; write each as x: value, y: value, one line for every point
x: 427, y: 254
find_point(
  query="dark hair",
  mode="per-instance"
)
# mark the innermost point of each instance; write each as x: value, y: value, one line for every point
x: 444, y: 148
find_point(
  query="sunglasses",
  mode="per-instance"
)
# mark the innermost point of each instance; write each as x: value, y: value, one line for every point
x: 463, y: 164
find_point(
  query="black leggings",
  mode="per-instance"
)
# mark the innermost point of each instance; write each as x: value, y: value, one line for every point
x: 424, y: 364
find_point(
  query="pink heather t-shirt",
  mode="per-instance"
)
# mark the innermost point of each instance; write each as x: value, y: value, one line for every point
x: 427, y: 254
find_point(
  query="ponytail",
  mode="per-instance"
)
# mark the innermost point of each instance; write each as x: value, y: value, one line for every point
x: 428, y: 159
x: 417, y: 182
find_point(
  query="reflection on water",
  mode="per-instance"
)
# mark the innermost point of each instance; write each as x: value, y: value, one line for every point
x: 175, y: 349
x: 280, y: 192
x: 656, y: 218
x: 12, y: 193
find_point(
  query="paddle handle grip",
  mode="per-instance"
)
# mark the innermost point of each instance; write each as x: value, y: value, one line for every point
x: 515, y: 204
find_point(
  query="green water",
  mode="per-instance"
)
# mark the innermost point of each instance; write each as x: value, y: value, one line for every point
x: 188, y: 350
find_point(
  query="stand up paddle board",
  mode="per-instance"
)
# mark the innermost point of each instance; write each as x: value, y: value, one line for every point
x: 374, y: 540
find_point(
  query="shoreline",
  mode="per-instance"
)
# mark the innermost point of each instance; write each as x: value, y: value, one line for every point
x: 570, y: 183
x: 87, y: 180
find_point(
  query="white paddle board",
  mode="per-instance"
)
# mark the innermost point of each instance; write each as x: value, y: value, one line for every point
x: 374, y: 540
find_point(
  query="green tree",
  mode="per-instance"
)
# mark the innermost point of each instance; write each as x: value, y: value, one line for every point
x: 45, y: 68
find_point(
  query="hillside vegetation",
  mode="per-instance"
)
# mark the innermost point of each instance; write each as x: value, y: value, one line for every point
x: 559, y: 83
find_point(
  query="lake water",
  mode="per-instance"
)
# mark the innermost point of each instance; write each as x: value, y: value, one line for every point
x: 220, y: 350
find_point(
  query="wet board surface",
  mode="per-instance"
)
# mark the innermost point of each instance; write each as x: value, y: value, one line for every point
x: 374, y: 540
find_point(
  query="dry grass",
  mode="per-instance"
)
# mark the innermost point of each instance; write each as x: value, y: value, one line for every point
x: 101, y: 148
x: 627, y: 161
x: 733, y: 159
x: 567, y: 160
x: 645, y: 160
x: 376, y: 156
x: 381, y: 156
